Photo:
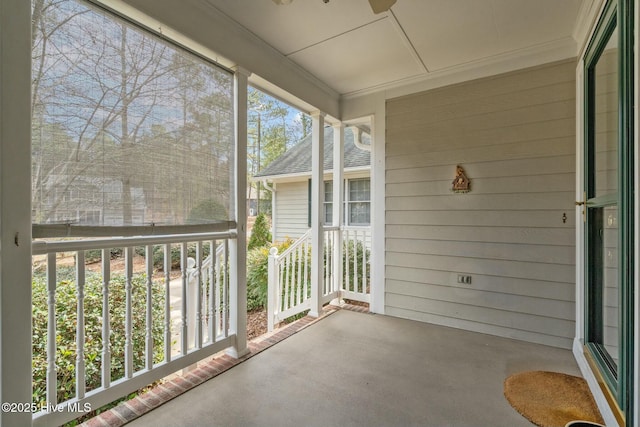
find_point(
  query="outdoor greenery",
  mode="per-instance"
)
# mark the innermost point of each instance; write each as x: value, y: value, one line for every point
x: 258, y: 274
x: 273, y: 127
x: 129, y: 128
x: 207, y: 210
x: 354, y: 253
x: 66, y: 320
x: 260, y: 235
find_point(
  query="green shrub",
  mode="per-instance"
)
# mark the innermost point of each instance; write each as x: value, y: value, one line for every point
x: 258, y: 274
x: 354, y: 253
x: 260, y: 235
x: 66, y: 300
x: 158, y: 254
x: 206, y: 211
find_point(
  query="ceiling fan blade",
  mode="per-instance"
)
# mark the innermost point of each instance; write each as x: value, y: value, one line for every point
x: 379, y: 6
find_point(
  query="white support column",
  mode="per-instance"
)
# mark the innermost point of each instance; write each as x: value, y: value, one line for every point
x: 338, y: 203
x: 15, y: 208
x: 317, y: 219
x: 238, y: 247
x: 378, y: 259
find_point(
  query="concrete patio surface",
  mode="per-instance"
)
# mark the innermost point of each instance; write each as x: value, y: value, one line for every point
x: 353, y: 369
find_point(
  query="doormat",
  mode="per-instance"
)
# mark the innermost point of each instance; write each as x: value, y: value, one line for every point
x: 551, y: 399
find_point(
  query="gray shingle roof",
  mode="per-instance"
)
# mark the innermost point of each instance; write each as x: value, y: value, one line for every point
x: 298, y: 158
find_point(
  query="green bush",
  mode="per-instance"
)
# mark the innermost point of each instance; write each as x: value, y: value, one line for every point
x: 258, y: 274
x: 95, y: 255
x: 66, y: 318
x: 354, y: 253
x: 260, y: 235
x: 206, y: 211
x: 158, y: 255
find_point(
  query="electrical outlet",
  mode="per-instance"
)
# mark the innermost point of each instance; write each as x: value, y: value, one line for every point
x: 463, y: 278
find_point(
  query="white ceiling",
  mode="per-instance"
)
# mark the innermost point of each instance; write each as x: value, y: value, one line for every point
x: 346, y: 46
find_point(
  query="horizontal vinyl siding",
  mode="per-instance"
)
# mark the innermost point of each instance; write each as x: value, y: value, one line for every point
x: 291, y: 210
x: 514, y: 135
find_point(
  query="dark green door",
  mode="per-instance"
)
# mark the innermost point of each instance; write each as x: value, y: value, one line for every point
x: 609, y: 201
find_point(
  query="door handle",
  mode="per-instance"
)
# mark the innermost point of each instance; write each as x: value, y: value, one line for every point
x: 584, y: 203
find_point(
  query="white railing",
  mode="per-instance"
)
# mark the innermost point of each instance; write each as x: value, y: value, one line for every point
x: 289, y: 281
x: 206, y: 297
x: 356, y: 263
x: 121, y: 330
x: 346, y: 272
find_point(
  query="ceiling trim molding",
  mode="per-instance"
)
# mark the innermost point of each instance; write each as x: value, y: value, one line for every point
x: 523, y: 58
x: 586, y: 23
x: 407, y: 42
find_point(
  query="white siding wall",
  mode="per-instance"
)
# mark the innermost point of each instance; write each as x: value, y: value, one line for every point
x: 514, y: 134
x: 292, y: 201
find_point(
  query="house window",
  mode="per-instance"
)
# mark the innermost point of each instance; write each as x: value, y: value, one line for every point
x: 358, y: 202
x: 138, y: 127
x: 328, y: 202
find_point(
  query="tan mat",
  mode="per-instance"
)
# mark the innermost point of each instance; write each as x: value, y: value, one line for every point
x: 551, y: 399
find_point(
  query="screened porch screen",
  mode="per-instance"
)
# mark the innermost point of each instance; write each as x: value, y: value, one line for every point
x: 128, y: 129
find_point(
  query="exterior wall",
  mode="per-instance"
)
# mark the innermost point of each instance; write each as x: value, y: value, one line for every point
x: 514, y: 134
x: 291, y: 210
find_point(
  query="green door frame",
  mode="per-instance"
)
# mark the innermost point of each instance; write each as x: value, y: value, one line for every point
x: 617, y: 14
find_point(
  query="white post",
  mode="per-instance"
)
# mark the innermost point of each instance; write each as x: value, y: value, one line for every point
x: 80, y: 331
x: 15, y: 208
x: 378, y: 219
x: 192, y: 295
x: 317, y: 219
x: 238, y: 247
x: 338, y: 206
x: 273, y: 296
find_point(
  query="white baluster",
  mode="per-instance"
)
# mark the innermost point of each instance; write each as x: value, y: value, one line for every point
x: 225, y: 288
x: 199, y: 295
x: 217, y: 294
x: 106, y: 321
x: 364, y: 263
x: 128, y: 323
x: 306, y: 268
x: 167, y: 302
x: 272, y: 286
x: 52, y: 383
x: 149, y: 331
x: 355, y: 260
x: 298, y: 276
x: 212, y: 291
x: 347, y: 257
x: 287, y: 264
x: 184, y: 337
x: 80, y: 368
x: 280, y: 301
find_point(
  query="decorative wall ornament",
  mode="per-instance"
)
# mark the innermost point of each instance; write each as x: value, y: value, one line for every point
x: 461, y: 184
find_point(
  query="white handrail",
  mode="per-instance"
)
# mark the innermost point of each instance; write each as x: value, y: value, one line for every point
x: 346, y: 271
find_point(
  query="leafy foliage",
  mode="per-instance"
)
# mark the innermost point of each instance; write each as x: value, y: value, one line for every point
x: 258, y: 274
x: 354, y: 253
x: 66, y: 321
x: 207, y: 210
x: 260, y: 235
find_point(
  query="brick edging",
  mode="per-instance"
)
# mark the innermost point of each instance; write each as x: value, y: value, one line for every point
x: 207, y: 369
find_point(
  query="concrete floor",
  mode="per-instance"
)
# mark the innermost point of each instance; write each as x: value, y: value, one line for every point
x: 354, y: 369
